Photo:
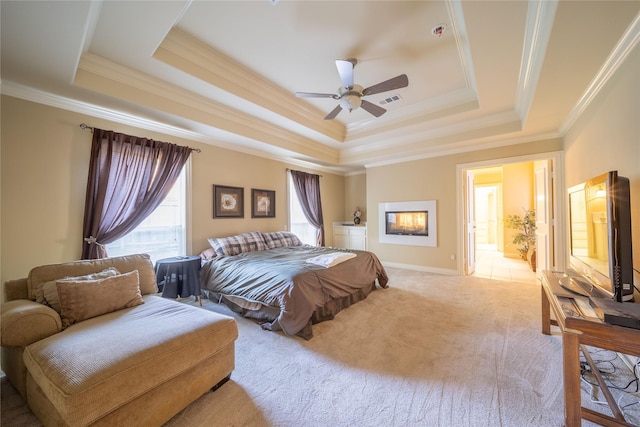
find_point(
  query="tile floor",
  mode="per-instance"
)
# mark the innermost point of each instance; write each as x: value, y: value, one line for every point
x: 492, y: 264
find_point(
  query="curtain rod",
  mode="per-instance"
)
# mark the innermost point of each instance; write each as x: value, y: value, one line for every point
x: 85, y: 126
x: 289, y: 170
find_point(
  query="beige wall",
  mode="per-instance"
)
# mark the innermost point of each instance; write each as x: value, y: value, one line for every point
x: 355, y: 195
x: 607, y: 137
x: 45, y: 158
x: 431, y: 179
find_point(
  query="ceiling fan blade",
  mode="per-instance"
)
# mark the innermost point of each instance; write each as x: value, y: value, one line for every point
x: 372, y: 108
x: 316, y: 95
x: 333, y: 113
x: 345, y: 69
x: 391, y: 84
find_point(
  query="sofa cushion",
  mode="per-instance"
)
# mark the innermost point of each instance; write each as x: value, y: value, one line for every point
x: 40, y: 275
x: 83, y: 299
x: 93, y: 367
x: 48, y: 293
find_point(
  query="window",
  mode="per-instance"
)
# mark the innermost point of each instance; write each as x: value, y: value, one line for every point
x: 298, y: 223
x: 163, y: 233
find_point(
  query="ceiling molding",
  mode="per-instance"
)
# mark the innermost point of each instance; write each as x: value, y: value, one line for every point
x: 30, y: 94
x: 471, y: 129
x: 192, y: 56
x: 436, y: 140
x: 619, y: 54
x: 456, y: 102
x: 464, y: 147
x: 110, y: 78
x: 540, y: 17
x: 458, y: 28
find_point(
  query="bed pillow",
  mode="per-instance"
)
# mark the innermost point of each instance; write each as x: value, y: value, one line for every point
x: 48, y: 293
x: 208, y: 254
x: 277, y: 239
x: 84, y: 299
x: 234, y: 245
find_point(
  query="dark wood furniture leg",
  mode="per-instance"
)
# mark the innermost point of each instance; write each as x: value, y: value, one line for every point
x: 546, y: 313
x: 571, y: 367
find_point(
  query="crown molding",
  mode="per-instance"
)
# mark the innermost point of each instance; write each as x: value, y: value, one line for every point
x: 438, y: 142
x: 183, y: 51
x: 105, y: 76
x: 26, y: 93
x: 456, y: 102
x: 33, y: 95
x: 459, y: 28
x: 540, y: 17
x: 504, y: 122
x: 463, y: 147
x: 627, y: 43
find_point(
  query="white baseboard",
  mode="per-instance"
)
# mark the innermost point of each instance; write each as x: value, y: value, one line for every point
x: 421, y: 268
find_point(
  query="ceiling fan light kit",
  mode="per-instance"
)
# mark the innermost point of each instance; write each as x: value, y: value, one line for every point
x: 350, y: 99
x: 350, y: 94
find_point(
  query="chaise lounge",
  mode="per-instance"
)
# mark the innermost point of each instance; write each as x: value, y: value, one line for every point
x: 87, y: 343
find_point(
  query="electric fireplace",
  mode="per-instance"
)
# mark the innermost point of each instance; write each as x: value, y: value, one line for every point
x: 408, y: 223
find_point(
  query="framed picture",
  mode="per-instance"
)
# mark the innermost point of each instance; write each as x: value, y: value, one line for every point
x: 228, y: 202
x: 263, y: 203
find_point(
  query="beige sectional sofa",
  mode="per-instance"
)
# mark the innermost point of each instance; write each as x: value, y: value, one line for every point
x: 104, y: 350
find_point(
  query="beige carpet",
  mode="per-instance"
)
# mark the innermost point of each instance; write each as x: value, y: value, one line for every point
x: 430, y: 350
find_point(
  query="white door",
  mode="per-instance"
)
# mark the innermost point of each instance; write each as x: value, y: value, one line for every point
x: 544, y: 215
x: 470, y: 224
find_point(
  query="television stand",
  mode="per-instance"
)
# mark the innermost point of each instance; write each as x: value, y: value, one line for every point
x: 577, y: 333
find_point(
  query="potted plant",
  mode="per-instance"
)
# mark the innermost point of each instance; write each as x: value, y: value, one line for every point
x: 525, y: 235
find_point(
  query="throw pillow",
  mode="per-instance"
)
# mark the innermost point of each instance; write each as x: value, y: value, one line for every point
x: 277, y: 239
x: 82, y: 300
x: 48, y: 293
x: 234, y: 245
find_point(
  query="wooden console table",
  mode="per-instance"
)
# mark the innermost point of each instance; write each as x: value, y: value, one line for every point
x: 578, y: 332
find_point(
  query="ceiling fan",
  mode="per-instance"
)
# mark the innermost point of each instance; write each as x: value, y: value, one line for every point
x: 350, y: 95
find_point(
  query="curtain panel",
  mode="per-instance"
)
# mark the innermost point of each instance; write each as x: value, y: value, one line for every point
x: 128, y: 178
x: 307, y: 187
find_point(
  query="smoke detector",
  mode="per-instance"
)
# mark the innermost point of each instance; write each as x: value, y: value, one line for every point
x: 438, y: 30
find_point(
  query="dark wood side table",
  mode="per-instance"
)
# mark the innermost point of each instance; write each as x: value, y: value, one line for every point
x: 577, y: 333
x: 179, y: 276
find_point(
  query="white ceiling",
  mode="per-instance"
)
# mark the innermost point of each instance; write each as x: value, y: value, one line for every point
x: 226, y: 72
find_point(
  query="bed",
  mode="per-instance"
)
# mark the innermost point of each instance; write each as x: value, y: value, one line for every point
x: 285, y: 285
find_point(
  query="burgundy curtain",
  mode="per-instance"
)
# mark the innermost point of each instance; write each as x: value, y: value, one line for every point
x: 307, y: 188
x: 128, y: 178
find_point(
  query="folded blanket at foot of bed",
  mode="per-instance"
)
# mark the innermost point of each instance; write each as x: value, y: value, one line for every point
x: 331, y: 259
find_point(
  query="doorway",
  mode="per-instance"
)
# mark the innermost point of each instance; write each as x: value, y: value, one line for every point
x: 488, y: 205
x: 494, y: 259
x: 484, y: 194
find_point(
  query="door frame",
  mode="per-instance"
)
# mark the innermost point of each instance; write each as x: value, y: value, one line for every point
x: 557, y: 211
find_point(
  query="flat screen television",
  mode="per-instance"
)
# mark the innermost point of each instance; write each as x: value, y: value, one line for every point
x: 600, y: 234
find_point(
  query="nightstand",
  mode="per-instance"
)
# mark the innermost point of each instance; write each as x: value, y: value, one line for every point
x: 179, y: 276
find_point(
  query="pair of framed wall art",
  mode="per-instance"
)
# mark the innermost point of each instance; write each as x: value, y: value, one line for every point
x: 228, y: 202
